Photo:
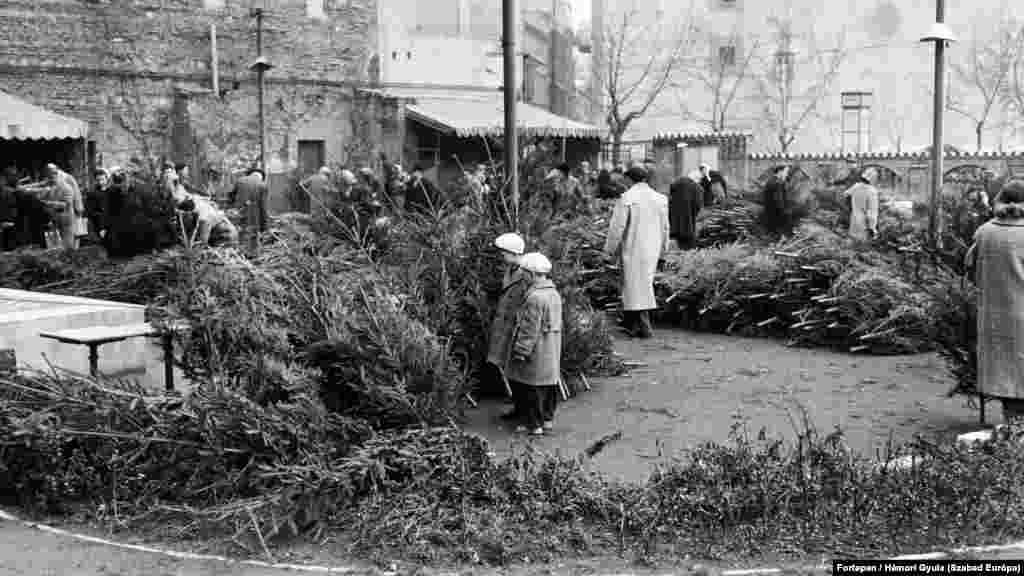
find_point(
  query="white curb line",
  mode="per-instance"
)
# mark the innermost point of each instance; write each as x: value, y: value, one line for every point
x: 356, y: 570
x: 190, y: 556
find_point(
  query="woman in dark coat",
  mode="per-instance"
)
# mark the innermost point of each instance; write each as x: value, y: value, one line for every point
x: 776, y: 218
x: 684, y: 204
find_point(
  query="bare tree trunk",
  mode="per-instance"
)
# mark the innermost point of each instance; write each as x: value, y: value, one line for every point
x: 616, y: 145
x: 978, y: 129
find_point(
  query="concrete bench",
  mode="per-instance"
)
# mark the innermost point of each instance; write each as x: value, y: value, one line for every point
x: 96, y: 336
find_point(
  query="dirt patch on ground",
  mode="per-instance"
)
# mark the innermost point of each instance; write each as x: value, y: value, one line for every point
x: 694, y: 387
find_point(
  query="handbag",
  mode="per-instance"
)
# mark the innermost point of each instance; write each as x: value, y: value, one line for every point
x: 53, y: 239
x: 81, y: 226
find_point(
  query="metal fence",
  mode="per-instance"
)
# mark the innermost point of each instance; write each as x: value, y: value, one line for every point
x: 631, y: 151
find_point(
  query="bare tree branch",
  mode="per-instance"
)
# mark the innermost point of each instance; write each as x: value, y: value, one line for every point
x: 787, y: 105
x: 630, y: 95
x: 982, y: 80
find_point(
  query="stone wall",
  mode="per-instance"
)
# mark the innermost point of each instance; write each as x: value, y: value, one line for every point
x: 904, y: 176
x: 139, y: 71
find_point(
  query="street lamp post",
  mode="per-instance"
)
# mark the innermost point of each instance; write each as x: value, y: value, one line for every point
x: 941, y: 35
x: 260, y: 66
x: 509, y: 27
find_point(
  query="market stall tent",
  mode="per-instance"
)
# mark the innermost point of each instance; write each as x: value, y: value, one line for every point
x: 31, y: 136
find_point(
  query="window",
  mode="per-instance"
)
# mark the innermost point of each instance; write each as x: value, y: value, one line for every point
x: 727, y: 56
x: 315, y: 9
x: 213, y: 4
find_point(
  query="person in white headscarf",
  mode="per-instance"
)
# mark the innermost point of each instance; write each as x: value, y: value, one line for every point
x: 511, y: 248
x: 864, y: 206
x: 535, y: 365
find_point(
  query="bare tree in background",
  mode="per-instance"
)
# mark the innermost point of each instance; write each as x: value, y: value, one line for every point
x: 1013, y: 92
x: 982, y: 81
x: 895, y: 127
x: 788, y: 105
x: 719, y: 75
x: 641, y: 61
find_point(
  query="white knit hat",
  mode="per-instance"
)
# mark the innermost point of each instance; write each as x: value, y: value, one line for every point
x: 535, y: 262
x: 511, y: 242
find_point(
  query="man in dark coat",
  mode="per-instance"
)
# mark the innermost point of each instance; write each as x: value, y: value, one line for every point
x: 717, y: 187
x: 9, y: 209
x: 420, y: 193
x: 249, y: 197
x: 684, y: 204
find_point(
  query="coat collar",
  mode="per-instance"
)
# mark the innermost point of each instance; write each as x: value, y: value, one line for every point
x: 545, y: 284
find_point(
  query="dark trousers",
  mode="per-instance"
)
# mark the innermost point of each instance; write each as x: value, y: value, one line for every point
x: 535, y: 404
x: 637, y: 323
x: 1013, y: 408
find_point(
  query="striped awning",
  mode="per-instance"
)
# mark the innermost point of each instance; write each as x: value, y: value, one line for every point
x: 20, y: 120
x: 702, y: 136
x: 468, y: 114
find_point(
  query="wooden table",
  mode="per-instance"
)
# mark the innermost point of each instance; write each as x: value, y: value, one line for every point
x: 96, y: 336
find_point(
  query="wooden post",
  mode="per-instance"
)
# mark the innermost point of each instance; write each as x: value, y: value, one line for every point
x: 168, y: 346
x: 94, y: 360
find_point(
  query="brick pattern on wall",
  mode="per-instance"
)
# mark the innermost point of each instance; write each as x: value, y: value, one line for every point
x: 121, y: 64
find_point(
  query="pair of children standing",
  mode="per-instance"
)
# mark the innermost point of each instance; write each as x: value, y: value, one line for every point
x: 526, y: 336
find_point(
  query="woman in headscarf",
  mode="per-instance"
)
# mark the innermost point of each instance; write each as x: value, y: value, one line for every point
x: 684, y: 205
x: 864, y: 206
x: 95, y: 204
x: 997, y: 258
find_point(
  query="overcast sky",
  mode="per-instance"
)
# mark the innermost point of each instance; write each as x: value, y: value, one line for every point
x: 580, y: 11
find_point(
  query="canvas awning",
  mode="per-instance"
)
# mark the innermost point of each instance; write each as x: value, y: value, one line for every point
x: 469, y: 114
x: 20, y: 120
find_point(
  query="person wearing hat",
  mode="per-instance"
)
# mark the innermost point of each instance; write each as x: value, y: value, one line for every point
x: 249, y: 197
x: 638, y: 236
x: 320, y: 191
x: 995, y: 260
x: 650, y: 165
x: 511, y: 247
x: 685, y: 199
x: 420, y: 193
x: 213, y: 227
x: 535, y: 366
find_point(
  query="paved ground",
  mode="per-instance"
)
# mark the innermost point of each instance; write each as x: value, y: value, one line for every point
x: 693, y: 389
x: 696, y: 386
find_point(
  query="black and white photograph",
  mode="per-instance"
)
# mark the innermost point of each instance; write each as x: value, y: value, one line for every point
x: 511, y: 287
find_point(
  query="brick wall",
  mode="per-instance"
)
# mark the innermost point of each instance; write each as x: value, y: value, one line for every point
x: 139, y: 71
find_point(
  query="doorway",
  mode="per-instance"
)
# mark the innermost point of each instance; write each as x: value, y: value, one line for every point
x: 311, y: 157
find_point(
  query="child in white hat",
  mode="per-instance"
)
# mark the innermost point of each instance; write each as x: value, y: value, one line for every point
x: 511, y: 246
x: 536, y: 363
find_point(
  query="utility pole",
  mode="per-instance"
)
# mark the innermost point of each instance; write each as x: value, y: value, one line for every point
x: 509, y: 25
x: 934, y: 218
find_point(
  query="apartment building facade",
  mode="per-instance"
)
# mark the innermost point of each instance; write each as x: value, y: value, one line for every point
x: 457, y: 44
x: 779, y: 69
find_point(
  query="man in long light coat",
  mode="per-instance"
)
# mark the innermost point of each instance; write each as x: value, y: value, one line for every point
x: 996, y: 257
x: 638, y: 233
x: 864, y: 206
